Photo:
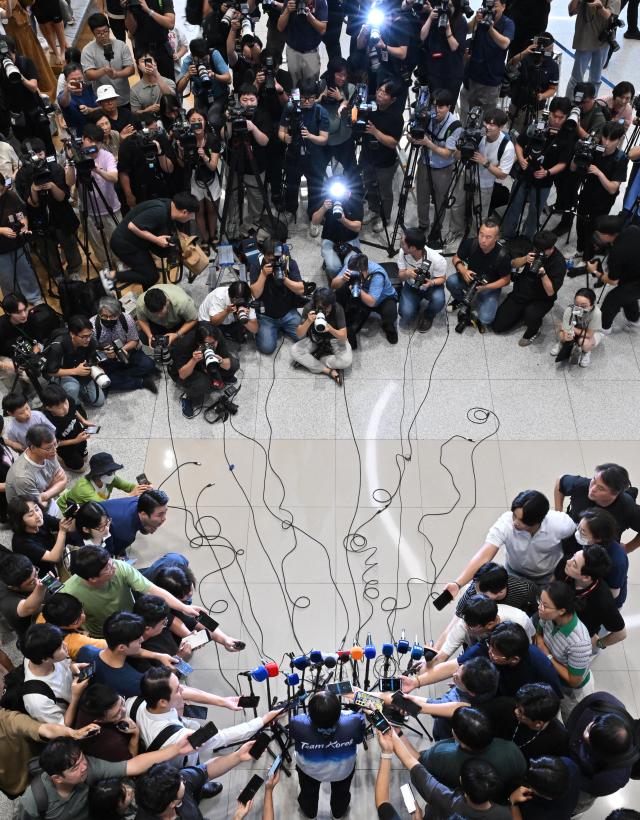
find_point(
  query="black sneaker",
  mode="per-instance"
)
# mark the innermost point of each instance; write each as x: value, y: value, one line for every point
x: 187, y: 407
x: 576, y: 270
x: 149, y: 384
x: 425, y: 324
x: 631, y: 35
x: 392, y: 336
x: 210, y: 789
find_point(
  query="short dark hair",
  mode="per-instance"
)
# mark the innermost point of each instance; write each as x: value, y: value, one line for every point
x: 97, y: 20
x: 62, y: 609
x: 69, y: 68
x: 444, y: 97
x: 602, y: 525
x: 562, y: 104
x: 93, y: 132
x: 179, y: 581
x: 609, y: 224
x: 588, y: 89
x: 41, y: 641
x: 204, y: 330
x: 12, y: 301
x: 155, y: 686
x: 78, y: 323
x: 538, y: 701
x: 52, y: 395
x: 392, y: 87
x: 15, y: 569
x: 491, y: 577
x: 59, y: 755
x: 98, y: 699
x: 490, y: 222
x: 534, y: 505
x: 623, y: 87
x: 415, y: 238
x: 185, y: 201
x: 597, y: 563
x: 198, y: 47
x: 548, y: 776
x: 609, y: 736
x: 623, y: 814
x: 154, y: 300
x: 13, y: 401
x: 612, y: 131
x: 247, y: 88
x: 240, y: 289
x: 479, y: 780
x: 614, y: 476
x: 152, y: 609
x: 323, y: 297
x: 359, y: 262
x: 588, y: 293
x: 89, y: 562
x: 480, y: 677
x: 324, y: 710
x: 105, y: 798
x: 562, y: 596
x: 40, y: 434
x: 472, y: 728
x: 510, y: 640
x: 89, y: 516
x: 17, y: 508
x: 479, y: 610
x: 544, y: 240
x: 158, y: 787
x: 150, y: 500
x: 495, y: 115
x: 122, y: 628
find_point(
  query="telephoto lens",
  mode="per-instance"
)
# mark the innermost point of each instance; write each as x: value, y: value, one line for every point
x: 320, y: 323
x: 100, y: 377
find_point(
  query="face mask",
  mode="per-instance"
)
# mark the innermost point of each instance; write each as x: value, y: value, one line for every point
x: 108, y: 322
x: 108, y: 478
x: 581, y: 539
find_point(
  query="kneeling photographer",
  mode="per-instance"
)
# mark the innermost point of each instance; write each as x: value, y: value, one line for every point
x: 23, y: 333
x: 423, y: 272
x: 580, y: 331
x: 535, y: 288
x: 341, y: 216
x: 361, y: 288
x: 72, y: 362
x: 117, y: 336
x: 229, y: 307
x: 202, y: 363
x: 16, y: 272
x: 323, y: 346
x: 150, y: 229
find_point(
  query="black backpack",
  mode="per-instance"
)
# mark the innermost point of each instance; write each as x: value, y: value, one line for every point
x: 161, y: 738
x: 80, y: 298
x: 16, y: 688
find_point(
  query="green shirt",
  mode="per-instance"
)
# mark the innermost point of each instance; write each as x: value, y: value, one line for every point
x: 115, y: 597
x: 75, y: 806
x: 182, y: 308
x: 84, y: 490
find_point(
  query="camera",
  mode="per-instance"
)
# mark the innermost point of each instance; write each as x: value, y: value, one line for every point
x: 184, y: 134
x: 238, y: 116
x: 337, y: 192
x: 585, y: 152
x: 81, y: 157
x: 608, y: 34
x: 280, y: 262
x: 224, y: 406
x: 292, y: 117
x: 243, y: 310
x: 421, y: 113
x: 202, y: 71
x: 465, y: 314
x: 442, y: 7
x: 97, y: 373
x: 247, y: 37
x: 487, y: 13
x: 211, y: 359
x: 375, y: 21
x: 160, y: 345
x: 538, y: 262
x: 122, y: 356
x: 423, y: 271
x: 471, y: 136
x: 361, y: 110
x: 269, y: 74
x: 147, y: 144
x: 320, y: 323
x: 24, y: 358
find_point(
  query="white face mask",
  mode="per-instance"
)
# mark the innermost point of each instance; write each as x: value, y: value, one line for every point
x: 580, y: 538
x: 108, y: 478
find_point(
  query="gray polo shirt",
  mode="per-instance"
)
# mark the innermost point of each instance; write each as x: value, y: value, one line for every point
x: 590, y: 23
x: 93, y: 57
x: 144, y: 94
x: 26, y: 478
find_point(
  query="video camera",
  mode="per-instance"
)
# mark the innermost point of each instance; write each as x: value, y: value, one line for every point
x: 421, y: 113
x: 422, y: 270
x: 361, y: 110
x: 146, y: 141
x: 9, y: 68
x: 238, y: 115
x: 281, y: 258
x: 25, y: 359
x: 465, y: 313
x: 442, y: 8
x: 608, y: 34
x: 292, y: 116
x: 39, y: 170
x: 487, y: 12
x: 471, y: 136
x: 80, y: 156
x: 184, y: 133
x: 585, y: 152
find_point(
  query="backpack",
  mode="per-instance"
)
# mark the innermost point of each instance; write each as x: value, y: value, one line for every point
x: 193, y: 12
x: 604, y: 707
x: 37, y: 787
x: 161, y: 738
x: 16, y: 688
x: 80, y: 298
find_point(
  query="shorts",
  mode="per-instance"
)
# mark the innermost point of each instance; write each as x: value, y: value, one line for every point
x: 47, y: 11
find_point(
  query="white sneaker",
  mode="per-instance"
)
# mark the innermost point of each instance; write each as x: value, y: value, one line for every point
x: 606, y: 331
x: 314, y: 230
x: 106, y: 279
x: 585, y: 359
x: 377, y: 225
x: 555, y: 349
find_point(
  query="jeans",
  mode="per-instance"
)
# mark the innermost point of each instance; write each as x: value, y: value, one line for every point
x: 312, y: 167
x: 129, y: 376
x: 592, y: 60
x: 83, y: 390
x: 310, y: 792
x: 16, y: 274
x: 267, y: 335
x: 332, y: 261
x: 410, y: 299
x: 537, y: 199
x: 485, y: 303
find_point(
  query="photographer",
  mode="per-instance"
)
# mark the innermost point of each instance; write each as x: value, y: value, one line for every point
x: 276, y: 282
x: 149, y: 23
x: 341, y: 220
x: 581, y: 326
x: 618, y: 106
x: 362, y: 287
x: 591, y: 49
x: 200, y: 163
x: 340, y: 145
x: 592, y: 116
x: 541, y: 157
x: 149, y: 229
x: 323, y: 345
x: 70, y: 355
x: 117, y: 335
x: 435, y: 167
x: 36, y: 474
x: 415, y: 260
x: 443, y: 47
x: 146, y: 162
x: 484, y: 71
x: 165, y: 310
x: 210, y: 79
x: 382, y: 47
x: 105, y: 60
x: 19, y: 323
x: 76, y: 100
x: 71, y: 427
x: 203, y: 363
x: 537, y: 79
x: 50, y: 214
x: 305, y: 130
x: 535, y: 288
x: 228, y: 308
x: 304, y: 23
x: 16, y: 273
x: 244, y: 58
x: 146, y: 93
x: 481, y: 257
x: 379, y: 158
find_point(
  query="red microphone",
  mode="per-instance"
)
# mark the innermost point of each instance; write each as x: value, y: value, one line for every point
x: 272, y: 669
x: 343, y: 655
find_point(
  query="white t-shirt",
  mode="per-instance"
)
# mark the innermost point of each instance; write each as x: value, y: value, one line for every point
x: 438, y: 262
x: 490, y: 151
x: 43, y: 708
x: 217, y: 301
x: 458, y: 634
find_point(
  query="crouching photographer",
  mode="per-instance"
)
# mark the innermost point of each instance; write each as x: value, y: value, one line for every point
x: 230, y: 308
x: 535, y: 288
x: 341, y: 216
x: 72, y: 362
x: 23, y: 332
x: 202, y: 363
x: 580, y: 331
x: 423, y: 273
x: 117, y: 336
x: 323, y: 346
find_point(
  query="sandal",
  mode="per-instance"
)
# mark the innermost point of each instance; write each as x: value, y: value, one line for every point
x: 337, y: 378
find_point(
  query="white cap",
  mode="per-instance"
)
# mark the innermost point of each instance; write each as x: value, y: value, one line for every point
x: 106, y: 92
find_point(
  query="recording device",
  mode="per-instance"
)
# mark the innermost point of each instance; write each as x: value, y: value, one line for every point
x: 202, y: 70
x: 421, y: 110
x: 487, y: 12
x: 197, y: 639
x: 379, y: 722
x: 409, y: 799
x: 203, y: 734
x: 122, y: 356
x: 320, y: 322
x: 98, y: 375
x: 146, y: 142
x: 389, y: 684
x: 9, y: 68
x: 341, y: 687
x: 262, y: 741
x: 269, y: 74
x: 428, y: 654
x: 238, y: 115
x: 108, y: 52
x: 211, y: 359
x: 142, y: 479
x: 160, y: 345
x: 207, y: 621
x: 361, y: 110
x: 80, y: 156
x: 182, y: 667
x: 239, y: 645
x: 579, y: 319
x: 184, y: 133
x: 442, y: 600
x: 122, y: 726
x: 86, y: 672
x: 471, y: 136
x: 337, y: 192
x: 93, y: 429
x: 292, y: 117
x: 280, y: 262
x: 274, y: 767
x: 225, y: 406
x: 423, y: 271
x: 608, y: 34
x: 71, y: 510
x: 250, y: 790
x: 25, y: 359
x: 91, y: 733
x: 247, y: 37
x: 243, y: 310
x: 442, y: 7
x: 38, y: 168
x: 368, y: 701
x: 405, y: 704
x: 585, y: 152
x: 248, y: 701
x: 375, y: 21
x: 51, y: 582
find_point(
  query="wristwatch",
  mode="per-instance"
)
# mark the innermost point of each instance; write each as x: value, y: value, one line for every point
x: 487, y: 163
x: 601, y: 644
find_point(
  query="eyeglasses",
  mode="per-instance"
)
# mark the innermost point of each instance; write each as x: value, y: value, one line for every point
x: 546, y: 607
x: 104, y: 526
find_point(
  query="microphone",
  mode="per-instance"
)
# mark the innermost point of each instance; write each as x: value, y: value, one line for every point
x: 356, y: 652
x: 272, y: 669
x: 369, y: 649
x: 343, y: 655
x: 403, y: 644
x: 293, y: 680
x: 387, y: 650
x: 315, y: 656
x: 330, y: 661
x: 259, y: 674
x: 417, y: 651
x: 302, y: 662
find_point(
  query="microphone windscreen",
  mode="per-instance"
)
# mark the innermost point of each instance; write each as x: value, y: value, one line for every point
x: 403, y: 647
x: 315, y: 656
x: 370, y: 651
x: 343, y: 655
x: 357, y: 653
x: 301, y: 662
x: 387, y: 650
x: 416, y: 652
x: 272, y: 669
x: 259, y: 674
x: 293, y: 680
x: 330, y: 661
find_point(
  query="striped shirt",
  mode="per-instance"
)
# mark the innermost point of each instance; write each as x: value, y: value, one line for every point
x: 570, y: 645
x: 521, y: 593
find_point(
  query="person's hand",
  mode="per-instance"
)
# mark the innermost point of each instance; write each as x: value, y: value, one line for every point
x: 272, y: 782
x: 408, y: 684
x: 132, y: 726
x: 260, y: 78
x: 235, y: 23
x: 243, y: 810
x: 46, y: 186
x: 201, y: 153
x: 288, y: 139
x: 163, y: 241
x: 155, y: 108
x: 244, y: 755
x: 385, y: 742
x: 67, y: 524
x: 311, y: 316
x: 111, y: 353
x: 171, y: 337
x: 327, y: 204
x: 371, y: 129
x: 80, y: 734
x: 251, y: 128
x: 82, y: 436
x: 184, y: 650
x: 144, y: 6
x: 334, y: 93
x: 166, y: 660
x: 109, y: 71
x: 231, y: 702
x: 82, y: 370
x: 304, y: 132
x: 267, y: 268
x: 192, y: 71
x: 521, y: 795
x: 184, y: 748
x: 8, y: 232
x: 523, y: 163
x: 197, y: 355
x: 467, y: 275
x: 539, y: 642
x: 541, y: 173
x: 84, y: 110
x: 175, y: 57
x: 479, y: 158
x: 230, y: 644
x: 78, y: 687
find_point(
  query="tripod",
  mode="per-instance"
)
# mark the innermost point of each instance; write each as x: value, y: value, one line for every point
x: 90, y: 193
x: 469, y: 172
x: 632, y: 139
x: 527, y: 183
x: 373, y: 187
x: 405, y: 189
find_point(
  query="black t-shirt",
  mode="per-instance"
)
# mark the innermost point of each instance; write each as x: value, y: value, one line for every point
x: 389, y: 122
x: 9, y: 602
x: 336, y: 319
x: 12, y: 212
x: 270, y: 103
x: 276, y: 298
x: 183, y: 348
x: 334, y: 230
x: 534, y: 78
x: 34, y: 545
x: 594, y: 197
x: 146, y: 183
x: 16, y: 95
x: 153, y: 216
x: 61, y: 354
x: 264, y: 123
x: 558, y: 148
x: 49, y: 210
x: 148, y: 31
x: 595, y: 605
x: 623, y: 257
x: 67, y: 426
x: 9, y: 333
x: 110, y: 744
x: 624, y: 509
x: 492, y: 266
x: 123, y: 118
x: 529, y: 286
x: 552, y: 740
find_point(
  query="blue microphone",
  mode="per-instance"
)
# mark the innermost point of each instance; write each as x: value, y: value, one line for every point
x: 315, y: 656
x: 293, y: 680
x: 417, y: 651
x: 369, y: 648
x: 301, y: 662
x: 403, y: 644
x: 387, y: 650
x: 259, y: 674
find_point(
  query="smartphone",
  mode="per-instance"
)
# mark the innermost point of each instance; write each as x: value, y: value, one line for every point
x: 341, y: 687
x: 407, y: 796
x: 207, y: 621
x: 91, y: 733
x: 71, y: 510
x: 52, y: 583
x: 250, y: 790
x: 262, y: 741
x: 201, y: 735
x: 368, y: 701
x: 239, y: 645
x: 198, y: 639
x: 182, y: 667
x: 408, y: 706
x: 390, y: 684
x: 142, y: 479
x: 443, y: 599
x: 249, y: 701
x: 274, y: 767
x: 122, y: 726
x: 193, y: 710
x: 93, y: 429
x: 86, y: 672
x: 379, y: 722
